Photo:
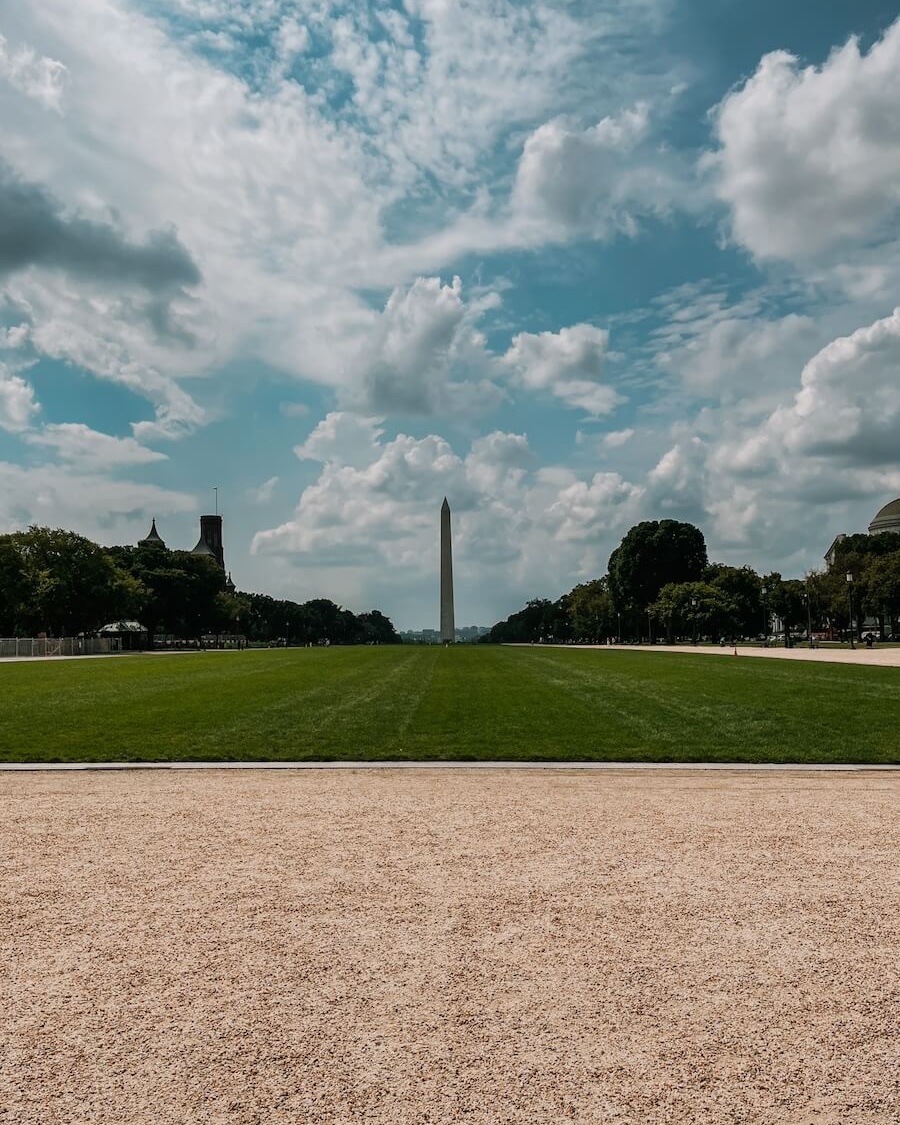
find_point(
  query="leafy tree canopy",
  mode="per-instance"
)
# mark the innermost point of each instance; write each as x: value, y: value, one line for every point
x: 652, y: 555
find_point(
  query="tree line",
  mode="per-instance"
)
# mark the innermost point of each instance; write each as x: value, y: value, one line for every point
x: 58, y: 583
x: 661, y: 584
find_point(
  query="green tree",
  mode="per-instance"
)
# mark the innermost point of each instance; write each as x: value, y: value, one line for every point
x: 66, y: 584
x: 882, y: 597
x: 652, y: 555
x: 786, y: 599
x: 591, y: 611
x: 697, y: 608
x: 13, y: 586
x: 179, y: 590
x: 742, y: 585
x: 377, y: 629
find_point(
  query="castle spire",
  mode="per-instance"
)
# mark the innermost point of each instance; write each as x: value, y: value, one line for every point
x: 152, y: 538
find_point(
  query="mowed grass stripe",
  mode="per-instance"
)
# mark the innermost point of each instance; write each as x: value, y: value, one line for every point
x: 464, y: 703
x: 666, y: 724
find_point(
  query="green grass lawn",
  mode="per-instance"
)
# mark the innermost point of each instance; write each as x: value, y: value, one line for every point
x: 458, y: 703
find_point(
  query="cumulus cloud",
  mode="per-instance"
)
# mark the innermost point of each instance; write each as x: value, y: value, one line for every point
x: 847, y: 408
x: 809, y: 159
x: 568, y: 364
x: 381, y: 511
x: 425, y: 355
x: 342, y: 438
x: 776, y: 482
x: 17, y: 402
x: 597, y: 181
x: 78, y: 444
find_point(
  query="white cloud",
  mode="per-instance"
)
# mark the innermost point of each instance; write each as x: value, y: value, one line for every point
x: 425, y: 355
x: 847, y: 408
x: 108, y: 511
x: 596, y: 182
x: 714, y: 346
x: 79, y: 444
x: 264, y: 492
x: 809, y: 158
x: 16, y: 336
x: 37, y: 77
x: 616, y: 438
x: 342, y: 438
x: 17, y: 402
x: 379, y: 515
x: 286, y: 196
x: 569, y: 364
x: 570, y: 177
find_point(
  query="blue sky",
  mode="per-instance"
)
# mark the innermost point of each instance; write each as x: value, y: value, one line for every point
x: 571, y: 264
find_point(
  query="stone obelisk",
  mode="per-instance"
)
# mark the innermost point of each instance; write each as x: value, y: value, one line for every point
x: 448, y: 624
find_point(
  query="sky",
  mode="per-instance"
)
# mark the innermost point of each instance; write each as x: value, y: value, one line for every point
x: 573, y: 264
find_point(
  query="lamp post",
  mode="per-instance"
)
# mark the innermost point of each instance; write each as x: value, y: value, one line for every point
x: 619, y: 633
x: 806, y: 598
x: 850, y: 603
x: 765, y: 591
x: 649, y: 628
x: 694, y: 617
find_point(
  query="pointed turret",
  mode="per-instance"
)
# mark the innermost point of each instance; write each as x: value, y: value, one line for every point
x: 153, y: 538
x: 203, y: 548
x: 229, y: 585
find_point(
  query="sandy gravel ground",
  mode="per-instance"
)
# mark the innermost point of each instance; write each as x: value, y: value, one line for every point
x: 437, y: 947
x: 877, y: 657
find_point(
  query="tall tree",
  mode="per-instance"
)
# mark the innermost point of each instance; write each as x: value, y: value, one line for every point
x: 743, y: 586
x: 654, y: 554
x: 695, y: 607
x: 591, y: 611
x: 66, y: 584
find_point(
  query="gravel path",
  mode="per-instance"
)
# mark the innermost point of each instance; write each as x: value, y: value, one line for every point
x: 440, y: 947
x: 877, y: 657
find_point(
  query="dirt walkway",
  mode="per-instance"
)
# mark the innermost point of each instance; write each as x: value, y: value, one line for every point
x: 877, y: 657
x: 340, y: 947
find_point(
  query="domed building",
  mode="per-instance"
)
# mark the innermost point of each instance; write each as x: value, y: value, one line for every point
x: 886, y: 519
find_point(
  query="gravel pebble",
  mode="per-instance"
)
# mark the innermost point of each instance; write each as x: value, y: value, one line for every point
x: 494, y: 948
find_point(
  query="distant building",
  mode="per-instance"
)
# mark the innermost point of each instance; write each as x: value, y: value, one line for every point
x: 885, y: 519
x: 209, y: 544
x: 152, y: 538
x: 210, y: 541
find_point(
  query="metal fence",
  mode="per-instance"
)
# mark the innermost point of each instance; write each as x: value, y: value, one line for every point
x: 60, y: 646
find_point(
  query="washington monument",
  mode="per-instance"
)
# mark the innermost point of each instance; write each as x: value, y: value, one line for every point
x: 448, y: 625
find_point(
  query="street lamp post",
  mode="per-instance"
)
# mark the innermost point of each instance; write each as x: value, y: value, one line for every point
x: 619, y: 633
x: 850, y: 603
x: 765, y: 591
x: 694, y: 617
x: 649, y: 629
x: 806, y: 598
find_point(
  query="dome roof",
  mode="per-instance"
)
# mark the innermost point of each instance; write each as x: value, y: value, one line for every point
x: 887, y: 519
